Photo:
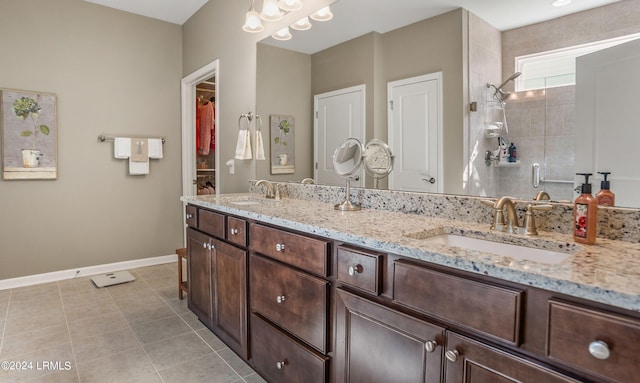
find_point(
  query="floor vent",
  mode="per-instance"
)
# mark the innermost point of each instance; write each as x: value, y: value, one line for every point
x: 111, y: 279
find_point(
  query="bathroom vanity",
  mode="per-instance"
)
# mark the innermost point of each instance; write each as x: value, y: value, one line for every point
x: 305, y: 293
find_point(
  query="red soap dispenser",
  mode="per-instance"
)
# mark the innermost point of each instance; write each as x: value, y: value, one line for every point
x: 605, y: 196
x: 585, y: 212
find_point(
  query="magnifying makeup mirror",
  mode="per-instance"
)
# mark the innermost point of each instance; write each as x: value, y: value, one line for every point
x: 348, y: 163
x: 378, y: 160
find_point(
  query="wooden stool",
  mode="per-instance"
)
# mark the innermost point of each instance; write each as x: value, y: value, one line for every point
x: 183, y: 286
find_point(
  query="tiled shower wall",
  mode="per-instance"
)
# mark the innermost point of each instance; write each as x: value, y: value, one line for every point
x: 539, y: 121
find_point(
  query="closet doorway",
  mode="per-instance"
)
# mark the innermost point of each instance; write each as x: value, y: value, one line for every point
x: 200, y: 159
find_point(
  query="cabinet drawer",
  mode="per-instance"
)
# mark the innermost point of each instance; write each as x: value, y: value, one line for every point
x: 211, y: 223
x: 493, y: 310
x: 191, y: 215
x: 297, y: 250
x: 237, y: 231
x: 359, y: 269
x: 573, y: 330
x: 293, y: 300
x: 281, y: 359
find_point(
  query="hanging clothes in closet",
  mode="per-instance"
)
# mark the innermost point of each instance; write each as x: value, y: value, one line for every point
x: 205, y: 127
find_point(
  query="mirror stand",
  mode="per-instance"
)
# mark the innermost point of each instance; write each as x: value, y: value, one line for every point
x: 347, y: 205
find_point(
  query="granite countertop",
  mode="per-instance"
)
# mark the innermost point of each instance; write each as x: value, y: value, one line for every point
x: 607, y: 272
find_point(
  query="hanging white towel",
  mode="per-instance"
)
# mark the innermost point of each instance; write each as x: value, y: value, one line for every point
x: 259, y: 146
x: 138, y: 168
x: 121, y: 147
x: 243, y: 146
x: 155, y: 148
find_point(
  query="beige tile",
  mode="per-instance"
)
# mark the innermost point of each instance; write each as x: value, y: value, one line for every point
x: 179, y: 306
x: 36, y: 369
x: 172, y: 351
x: 77, y: 290
x: 146, y: 378
x: 235, y: 362
x: 148, y: 297
x: 157, y: 271
x: 162, y: 282
x: 158, y: 330
x: 192, y: 320
x: 45, y: 291
x: 254, y: 378
x: 88, y: 349
x: 146, y: 313
x: 137, y: 287
x: 211, y: 339
x: 90, y: 308
x: 116, y: 368
x: 209, y: 368
x: 23, y: 322
x: 58, y: 377
x: 97, y: 325
x: 34, y: 340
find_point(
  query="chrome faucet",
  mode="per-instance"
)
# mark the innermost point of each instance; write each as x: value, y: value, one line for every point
x: 270, y: 189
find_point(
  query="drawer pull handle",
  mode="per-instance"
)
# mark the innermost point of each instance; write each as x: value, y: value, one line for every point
x: 353, y: 270
x: 234, y: 231
x: 204, y: 245
x: 279, y: 246
x: 280, y: 298
x: 189, y: 216
x: 452, y: 355
x: 599, y: 350
x: 430, y: 345
x: 280, y: 365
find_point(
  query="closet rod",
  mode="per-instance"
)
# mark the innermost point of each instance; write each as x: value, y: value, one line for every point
x: 103, y: 138
x: 205, y: 90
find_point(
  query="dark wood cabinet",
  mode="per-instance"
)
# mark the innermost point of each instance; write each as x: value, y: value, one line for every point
x: 376, y: 344
x: 199, y: 274
x: 469, y: 361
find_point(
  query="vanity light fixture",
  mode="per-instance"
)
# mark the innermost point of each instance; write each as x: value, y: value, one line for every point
x: 270, y: 11
x: 323, y: 14
x: 282, y: 35
x: 290, y: 5
x: 560, y: 3
x: 252, y: 21
x: 302, y: 25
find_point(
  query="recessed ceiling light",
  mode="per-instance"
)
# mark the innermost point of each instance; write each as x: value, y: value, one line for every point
x: 560, y: 3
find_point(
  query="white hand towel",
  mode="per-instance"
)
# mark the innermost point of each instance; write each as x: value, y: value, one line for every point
x: 259, y: 146
x: 240, y: 145
x: 247, y: 145
x: 121, y: 147
x: 138, y: 168
x: 155, y: 148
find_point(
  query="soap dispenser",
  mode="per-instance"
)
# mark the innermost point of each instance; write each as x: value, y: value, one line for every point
x: 605, y: 197
x: 585, y: 211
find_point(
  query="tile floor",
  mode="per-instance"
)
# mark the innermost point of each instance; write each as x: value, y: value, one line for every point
x: 137, y: 332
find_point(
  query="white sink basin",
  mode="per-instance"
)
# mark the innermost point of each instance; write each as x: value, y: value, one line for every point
x: 498, y: 248
x: 245, y: 203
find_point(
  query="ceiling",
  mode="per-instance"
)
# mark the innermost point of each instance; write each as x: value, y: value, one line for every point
x: 373, y: 15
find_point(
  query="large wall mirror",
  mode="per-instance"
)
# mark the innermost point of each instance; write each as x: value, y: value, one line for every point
x: 470, y: 53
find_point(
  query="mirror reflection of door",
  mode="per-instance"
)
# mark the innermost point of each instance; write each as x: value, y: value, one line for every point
x: 415, y: 133
x: 339, y: 115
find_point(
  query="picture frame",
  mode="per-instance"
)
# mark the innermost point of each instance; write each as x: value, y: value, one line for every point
x: 282, y: 144
x: 28, y: 135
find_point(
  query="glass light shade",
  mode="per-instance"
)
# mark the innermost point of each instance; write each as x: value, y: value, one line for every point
x: 270, y: 11
x: 323, y: 14
x: 290, y: 5
x: 252, y: 22
x: 282, y: 34
x: 302, y: 25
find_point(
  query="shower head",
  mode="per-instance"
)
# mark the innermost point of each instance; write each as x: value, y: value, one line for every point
x: 511, y: 78
x: 500, y: 94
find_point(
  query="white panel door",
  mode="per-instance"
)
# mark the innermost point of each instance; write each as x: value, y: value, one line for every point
x: 415, y: 133
x: 607, y: 135
x: 339, y: 115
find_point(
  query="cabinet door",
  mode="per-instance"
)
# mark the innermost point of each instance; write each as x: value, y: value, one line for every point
x: 199, y: 270
x: 229, y: 275
x: 468, y: 361
x: 375, y: 344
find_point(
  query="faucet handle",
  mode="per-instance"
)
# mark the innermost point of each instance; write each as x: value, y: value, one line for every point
x: 488, y: 202
x: 529, y: 219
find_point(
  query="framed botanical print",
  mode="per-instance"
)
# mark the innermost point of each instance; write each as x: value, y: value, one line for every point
x: 28, y: 135
x: 282, y: 144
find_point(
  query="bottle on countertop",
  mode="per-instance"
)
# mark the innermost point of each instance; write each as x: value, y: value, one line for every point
x: 605, y: 196
x: 585, y: 212
x: 513, y: 157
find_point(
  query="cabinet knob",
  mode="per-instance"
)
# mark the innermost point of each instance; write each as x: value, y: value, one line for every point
x: 280, y: 298
x: 452, y: 355
x: 204, y: 245
x: 353, y: 270
x: 599, y: 350
x: 189, y: 216
x: 280, y: 365
x: 234, y: 231
x: 279, y: 246
x: 430, y: 345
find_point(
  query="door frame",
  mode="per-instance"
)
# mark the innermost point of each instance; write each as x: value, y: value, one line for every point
x: 362, y: 90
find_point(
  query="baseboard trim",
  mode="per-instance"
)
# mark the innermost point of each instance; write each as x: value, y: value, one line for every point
x: 55, y: 276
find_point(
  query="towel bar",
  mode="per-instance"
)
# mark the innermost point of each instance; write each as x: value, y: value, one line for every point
x: 103, y: 138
